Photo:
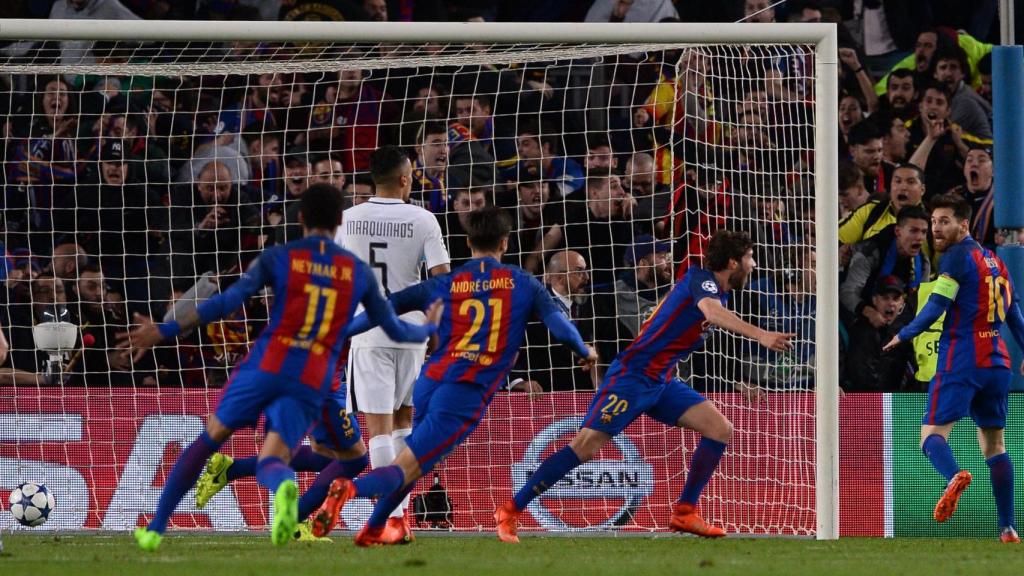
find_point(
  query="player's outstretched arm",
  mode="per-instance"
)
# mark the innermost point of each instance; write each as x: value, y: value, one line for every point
x: 416, y: 297
x: 382, y: 314
x: 722, y: 317
x: 148, y: 333
x: 938, y: 302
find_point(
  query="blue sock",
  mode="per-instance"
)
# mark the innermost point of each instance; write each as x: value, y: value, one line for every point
x: 272, y: 471
x: 382, y: 509
x: 380, y: 482
x: 938, y: 451
x: 317, y: 491
x: 702, y: 466
x: 1001, y: 470
x: 242, y: 468
x: 305, y: 460
x: 183, y: 476
x: 553, y: 469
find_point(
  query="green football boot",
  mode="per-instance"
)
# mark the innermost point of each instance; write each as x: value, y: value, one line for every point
x: 286, y: 513
x: 214, y: 478
x: 148, y: 540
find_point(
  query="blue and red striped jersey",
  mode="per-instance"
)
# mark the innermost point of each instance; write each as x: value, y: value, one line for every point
x: 971, y: 330
x: 487, y: 305
x: 675, y: 329
x: 317, y: 286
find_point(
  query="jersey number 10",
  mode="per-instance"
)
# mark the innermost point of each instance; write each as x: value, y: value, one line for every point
x: 997, y: 303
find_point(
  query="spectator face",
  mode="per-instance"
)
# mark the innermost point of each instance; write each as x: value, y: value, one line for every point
x: 329, y: 171
x: 377, y: 10
x: 433, y: 151
x: 655, y: 269
x: 215, y: 184
x: 48, y: 290
x: 349, y: 81
x: 900, y: 92
x: 427, y: 102
x: 120, y: 128
x: 287, y: 91
x: 910, y: 236
x: 471, y: 114
x: 985, y: 91
x: 55, y: 99
x: 868, y: 156
x: 114, y: 173
x: 751, y: 7
x: 810, y: 273
x: 360, y: 193
x: 853, y: 197
x: 466, y: 202
x: 599, y: 197
x: 978, y: 170
x: 946, y: 229
x: 747, y: 265
x: 889, y: 304
x: 896, y: 141
x: 296, y: 178
x: 923, y: 51
x: 639, y: 176
x: 810, y: 15
x: 949, y: 73
x: 934, y: 105
x: 576, y: 274
x: 264, y: 150
x: 91, y: 289
x: 850, y: 113
x: 907, y: 189
x: 532, y: 198
x: 601, y: 157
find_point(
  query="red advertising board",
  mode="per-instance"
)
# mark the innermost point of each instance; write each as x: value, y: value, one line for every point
x: 105, y: 454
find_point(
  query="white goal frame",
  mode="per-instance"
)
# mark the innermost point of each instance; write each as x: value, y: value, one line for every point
x: 822, y: 36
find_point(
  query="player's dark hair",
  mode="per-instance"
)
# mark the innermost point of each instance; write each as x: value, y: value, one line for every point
x: 958, y: 204
x: 863, y: 132
x: 951, y: 52
x: 320, y: 206
x: 901, y: 73
x: 940, y: 88
x: 429, y: 127
x: 911, y: 213
x: 909, y: 166
x: 486, y: 228
x: 727, y: 245
x: 384, y: 164
x: 850, y: 175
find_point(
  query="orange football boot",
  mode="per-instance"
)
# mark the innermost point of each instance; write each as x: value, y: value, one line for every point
x: 341, y: 491
x: 507, y: 519
x: 371, y: 536
x: 397, y: 531
x: 1009, y: 536
x: 686, y: 519
x: 947, y: 504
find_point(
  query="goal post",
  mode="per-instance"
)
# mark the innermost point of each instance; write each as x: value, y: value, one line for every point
x: 587, y: 55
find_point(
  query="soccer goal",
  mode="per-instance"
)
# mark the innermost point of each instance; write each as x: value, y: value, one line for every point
x: 146, y: 163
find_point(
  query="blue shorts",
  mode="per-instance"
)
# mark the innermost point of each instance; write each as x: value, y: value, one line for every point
x: 624, y: 396
x: 981, y: 393
x: 336, y: 428
x: 446, y: 414
x: 289, y: 405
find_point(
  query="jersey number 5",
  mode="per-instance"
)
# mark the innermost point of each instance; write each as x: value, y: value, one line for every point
x: 382, y: 266
x: 475, y: 308
x: 997, y: 303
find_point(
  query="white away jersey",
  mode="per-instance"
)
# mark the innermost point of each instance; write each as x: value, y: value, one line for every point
x: 394, y: 238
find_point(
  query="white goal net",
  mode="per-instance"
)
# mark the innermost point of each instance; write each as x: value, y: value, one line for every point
x: 136, y: 174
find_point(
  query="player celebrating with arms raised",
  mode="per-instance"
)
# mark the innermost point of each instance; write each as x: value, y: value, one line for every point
x: 642, y: 380
x: 974, y: 372
x: 487, y: 307
x: 317, y: 286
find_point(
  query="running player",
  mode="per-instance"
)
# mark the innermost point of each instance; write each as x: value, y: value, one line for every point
x: 975, y: 292
x: 395, y: 238
x: 292, y: 363
x: 641, y: 380
x: 488, y: 306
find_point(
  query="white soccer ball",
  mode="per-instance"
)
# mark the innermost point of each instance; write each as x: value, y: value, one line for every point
x: 31, y: 504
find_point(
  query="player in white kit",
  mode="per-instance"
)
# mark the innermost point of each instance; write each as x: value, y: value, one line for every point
x: 395, y: 238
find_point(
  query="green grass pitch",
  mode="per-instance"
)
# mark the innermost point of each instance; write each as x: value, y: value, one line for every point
x: 230, y: 555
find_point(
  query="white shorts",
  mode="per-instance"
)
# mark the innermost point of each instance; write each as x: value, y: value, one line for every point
x: 380, y: 379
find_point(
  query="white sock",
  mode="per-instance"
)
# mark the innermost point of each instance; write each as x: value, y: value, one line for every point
x: 398, y: 440
x: 382, y: 451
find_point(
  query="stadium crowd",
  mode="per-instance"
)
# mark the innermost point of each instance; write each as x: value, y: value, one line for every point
x: 125, y: 193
